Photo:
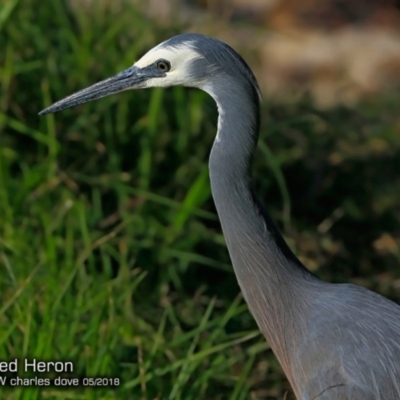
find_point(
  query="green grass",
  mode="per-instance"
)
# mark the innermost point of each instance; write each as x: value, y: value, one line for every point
x: 111, y: 254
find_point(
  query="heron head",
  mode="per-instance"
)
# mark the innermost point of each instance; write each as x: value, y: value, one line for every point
x: 189, y: 60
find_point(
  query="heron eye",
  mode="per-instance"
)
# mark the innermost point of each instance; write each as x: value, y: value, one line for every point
x: 163, y: 65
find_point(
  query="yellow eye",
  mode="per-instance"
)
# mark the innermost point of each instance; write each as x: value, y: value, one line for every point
x: 163, y: 65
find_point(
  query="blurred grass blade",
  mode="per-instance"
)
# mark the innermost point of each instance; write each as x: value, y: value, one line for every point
x: 280, y: 179
x: 198, y: 193
x: 6, y: 11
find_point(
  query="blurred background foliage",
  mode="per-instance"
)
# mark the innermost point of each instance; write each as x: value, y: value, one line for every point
x: 111, y: 252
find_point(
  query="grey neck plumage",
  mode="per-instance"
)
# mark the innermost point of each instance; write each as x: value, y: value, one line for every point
x: 274, y: 282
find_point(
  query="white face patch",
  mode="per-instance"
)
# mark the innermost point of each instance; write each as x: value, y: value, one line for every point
x: 180, y: 57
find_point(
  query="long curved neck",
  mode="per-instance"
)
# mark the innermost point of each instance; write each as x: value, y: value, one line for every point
x: 272, y: 279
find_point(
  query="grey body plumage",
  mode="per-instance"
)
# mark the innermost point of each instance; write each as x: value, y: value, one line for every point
x: 333, y: 341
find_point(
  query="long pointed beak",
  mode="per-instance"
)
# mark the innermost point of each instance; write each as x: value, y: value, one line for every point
x: 131, y: 78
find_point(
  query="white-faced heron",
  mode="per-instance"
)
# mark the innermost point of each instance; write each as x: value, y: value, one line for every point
x: 333, y: 341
